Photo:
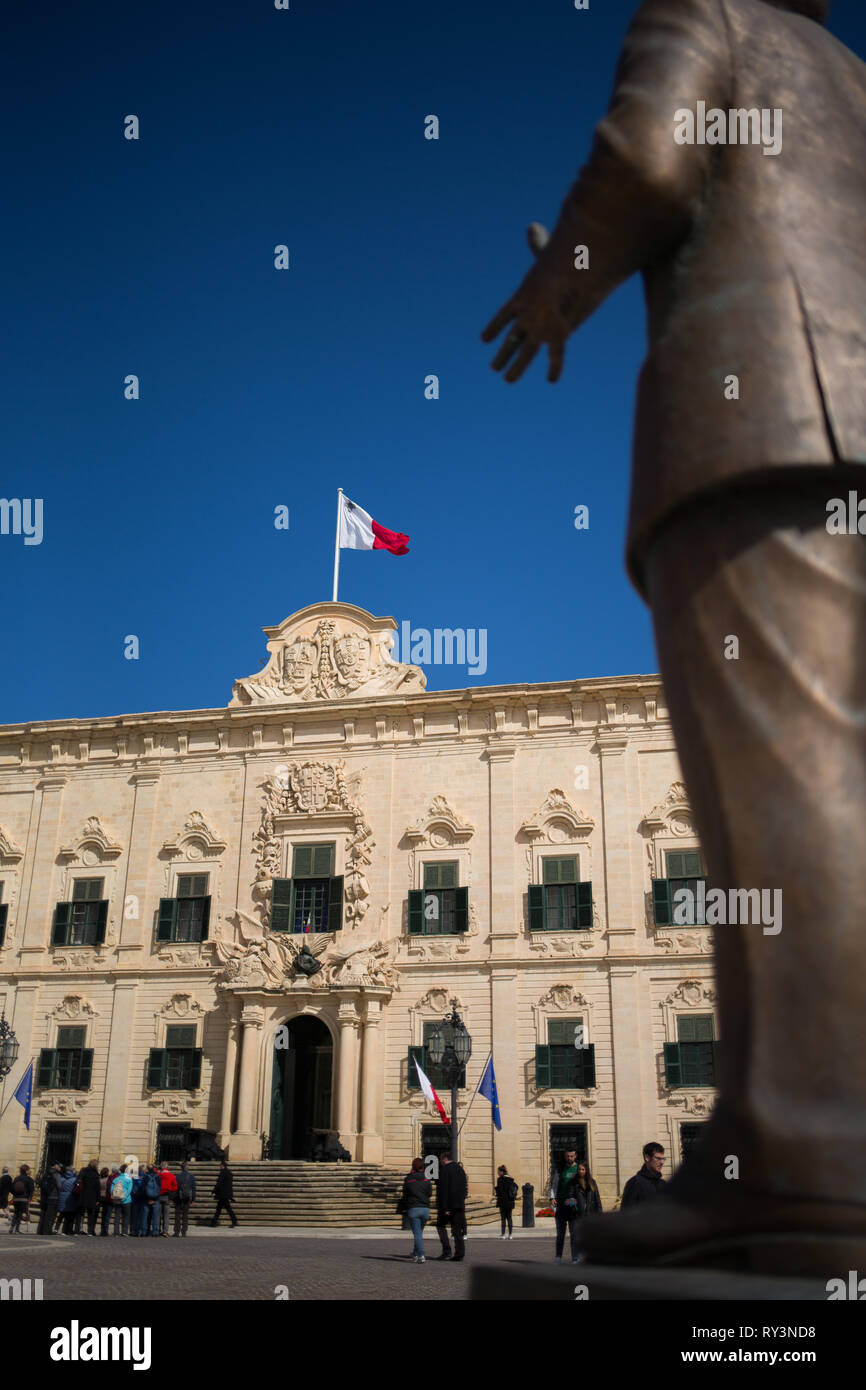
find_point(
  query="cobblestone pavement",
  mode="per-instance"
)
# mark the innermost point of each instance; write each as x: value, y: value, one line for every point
x: 225, y: 1264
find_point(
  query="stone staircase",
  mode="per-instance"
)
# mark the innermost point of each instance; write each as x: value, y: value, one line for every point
x: 293, y: 1193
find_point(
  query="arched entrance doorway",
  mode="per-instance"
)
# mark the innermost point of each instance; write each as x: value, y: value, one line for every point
x: 301, y: 1087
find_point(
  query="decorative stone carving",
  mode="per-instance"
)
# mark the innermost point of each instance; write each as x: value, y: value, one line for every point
x: 431, y: 947
x: 692, y: 1104
x: 175, y: 1106
x: 62, y: 1105
x: 184, y: 955
x: 557, y: 821
x: 195, y: 840
x: 563, y: 996
x: 328, y: 651
x: 574, y: 1103
x: 693, y: 993
x: 361, y: 963
x: 436, y: 999
x: 181, y: 1006
x: 93, y: 845
x: 9, y: 851
x: 671, y: 816
x: 74, y: 1006
x: 308, y: 789
x: 439, y: 827
x: 692, y: 944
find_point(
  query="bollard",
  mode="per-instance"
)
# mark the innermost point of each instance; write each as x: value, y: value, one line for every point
x: 528, y: 1204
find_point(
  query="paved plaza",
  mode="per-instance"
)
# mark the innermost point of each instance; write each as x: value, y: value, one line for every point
x: 250, y: 1264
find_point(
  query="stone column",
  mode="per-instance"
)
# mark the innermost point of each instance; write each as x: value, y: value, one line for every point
x: 347, y: 1075
x: 228, y: 1094
x: 633, y: 1067
x: 43, y: 879
x: 508, y: 1061
x: 114, y: 1141
x: 245, y: 1142
x: 622, y: 924
x: 18, y: 1145
x: 371, y: 1145
x: 504, y: 931
x: 136, y: 931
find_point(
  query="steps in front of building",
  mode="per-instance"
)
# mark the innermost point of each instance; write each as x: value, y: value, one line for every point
x: 294, y: 1193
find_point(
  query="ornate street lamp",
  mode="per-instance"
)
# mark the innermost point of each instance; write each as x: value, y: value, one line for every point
x: 8, y: 1047
x: 450, y: 1048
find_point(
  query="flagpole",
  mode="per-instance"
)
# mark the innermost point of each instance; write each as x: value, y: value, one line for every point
x: 474, y: 1094
x: 337, y: 542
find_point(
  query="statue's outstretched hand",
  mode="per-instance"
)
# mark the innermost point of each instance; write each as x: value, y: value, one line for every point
x: 540, y: 315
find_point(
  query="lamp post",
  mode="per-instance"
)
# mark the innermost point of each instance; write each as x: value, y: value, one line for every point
x: 8, y: 1047
x: 450, y: 1049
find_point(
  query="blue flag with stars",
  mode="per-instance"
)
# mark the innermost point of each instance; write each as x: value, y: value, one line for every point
x: 24, y: 1093
x: 487, y: 1089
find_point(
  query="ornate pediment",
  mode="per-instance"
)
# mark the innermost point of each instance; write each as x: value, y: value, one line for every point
x: 439, y: 827
x: 557, y: 820
x: 693, y: 993
x: 195, y: 840
x: 563, y: 996
x: 9, y: 851
x: 73, y: 1006
x: 672, y: 815
x: 93, y: 846
x: 329, y: 651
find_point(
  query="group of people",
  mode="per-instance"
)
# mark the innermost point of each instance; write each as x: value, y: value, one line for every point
x: 132, y: 1203
x: 573, y: 1195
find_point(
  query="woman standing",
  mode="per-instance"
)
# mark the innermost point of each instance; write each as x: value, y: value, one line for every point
x: 506, y: 1196
x: 415, y: 1202
x: 586, y: 1192
x: 22, y: 1191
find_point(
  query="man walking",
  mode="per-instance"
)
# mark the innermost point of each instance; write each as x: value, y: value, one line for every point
x: 224, y: 1193
x: 563, y: 1199
x: 647, y: 1185
x: 167, y: 1189
x: 451, y: 1191
x: 184, y: 1198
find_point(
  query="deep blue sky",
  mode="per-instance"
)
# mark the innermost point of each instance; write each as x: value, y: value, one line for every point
x: 261, y: 387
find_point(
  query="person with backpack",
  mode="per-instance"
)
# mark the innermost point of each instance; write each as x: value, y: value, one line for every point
x: 121, y: 1201
x: 22, y: 1191
x: 167, y: 1190
x: 49, y: 1189
x: 506, y: 1196
x: 151, y: 1191
x: 139, y: 1205
x: 184, y: 1198
x: 67, y: 1205
x: 224, y: 1191
x: 89, y: 1200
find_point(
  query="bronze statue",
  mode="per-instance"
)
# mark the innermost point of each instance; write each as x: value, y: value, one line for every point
x: 751, y: 419
x: 305, y: 962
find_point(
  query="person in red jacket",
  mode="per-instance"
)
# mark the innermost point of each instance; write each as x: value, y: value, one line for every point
x: 167, y: 1193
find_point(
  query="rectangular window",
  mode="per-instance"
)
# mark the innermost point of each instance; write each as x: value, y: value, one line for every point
x: 683, y: 869
x: 689, y: 1136
x: 435, y: 1073
x: 560, y: 902
x: 691, y: 1060
x: 68, y: 1065
x: 441, y: 907
x: 185, y: 917
x: 312, y: 899
x: 82, y: 921
x: 4, y: 913
x: 567, y: 1061
x: 177, y: 1066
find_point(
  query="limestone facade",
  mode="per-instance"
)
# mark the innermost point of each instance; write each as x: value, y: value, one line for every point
x: 334, y: 744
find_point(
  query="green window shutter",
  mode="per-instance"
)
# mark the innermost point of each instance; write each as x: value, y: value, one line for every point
x: 45, y: 1067
x: 156, y: 1069
x: 584, y: 905
x: 715, y: 1064
x: 661, y: 902
x: 205, y: 918
x: 281, y: 904
x: 692, y: 864
x: 695, y: 1028
x: 673, y: 1065
x: 323, y: 861
x: 461, y: 909
x: 585, y: 1066
x: 4, y: 913
x: 195, y: 1070
x: 416, y: 911
x: 101, y: 922
x: 335, y: 903
x: 302, y: 861
x: 536, y: 907
x: 542, y: 1066
x: 441, y: 875
x: 674, y: 863
x: 167, y: 920
x: 418, y: 1054
x: 60, y: 930
x: 559, y: 870
x: 85, y: 1069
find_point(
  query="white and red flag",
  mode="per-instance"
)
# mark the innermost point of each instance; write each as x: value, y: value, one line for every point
x: 358, y: 531
x: 430, y: 1094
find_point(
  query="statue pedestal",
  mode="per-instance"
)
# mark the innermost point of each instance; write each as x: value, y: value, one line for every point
x: 370, y: 1148
x: 244, y: 1147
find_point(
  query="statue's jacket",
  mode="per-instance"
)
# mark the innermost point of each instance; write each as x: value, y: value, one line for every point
x: 754, y: 264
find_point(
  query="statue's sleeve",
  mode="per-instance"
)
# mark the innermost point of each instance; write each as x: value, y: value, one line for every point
x: 638, y: 193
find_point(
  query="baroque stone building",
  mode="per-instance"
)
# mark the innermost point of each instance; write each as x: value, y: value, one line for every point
x: 248, y: 920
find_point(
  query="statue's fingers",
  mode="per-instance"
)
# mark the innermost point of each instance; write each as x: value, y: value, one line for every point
x: 538, y: 237
x: 513, y: 343
x: 498, y: 322
x: 518, y: 367
x: 556, y: 351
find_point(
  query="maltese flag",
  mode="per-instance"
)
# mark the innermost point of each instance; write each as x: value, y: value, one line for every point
x: 358, y: 531
x: 430, y: 1094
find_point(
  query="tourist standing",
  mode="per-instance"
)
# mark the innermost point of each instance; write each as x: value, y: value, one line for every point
x: 105, y: 1179
x: 167, y: 1189
x: 451, y: 1191
x: 151, y: 1201
x: 67, y: 1205
x: 49, y: 1190
x: 5, y: 1190
x: 563, y: 1199
x: 224, y: 1192
x: 647, y: 1185
x: 22, y: 1191
x: 415, y: 1202
x: 184, y: 1198
x: 137, y: 1217
x: 89, y: 1200
x: 506, y: 1196
x: 586, y: 1192
x: 121, y: 1200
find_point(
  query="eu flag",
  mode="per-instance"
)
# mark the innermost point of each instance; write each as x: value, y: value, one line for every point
x: 487, y: 1089
x: 24, y: 1093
